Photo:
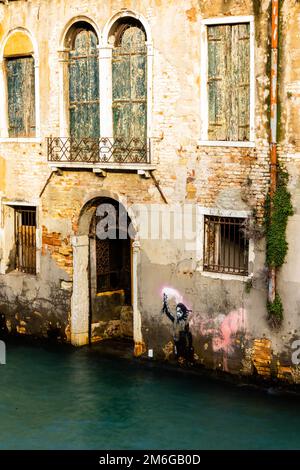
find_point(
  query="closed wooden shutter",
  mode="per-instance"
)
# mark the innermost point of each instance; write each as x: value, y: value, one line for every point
x: 21, y: 96
x: 228, y: 82
x: 84, y: 86
x: 243, y: 80
x: 129, y: 72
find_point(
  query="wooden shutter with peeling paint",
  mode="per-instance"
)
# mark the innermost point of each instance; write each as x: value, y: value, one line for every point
x: 21, y: 96
x: 84, y: 86
x: 129, y: 85
x: 229, y: 82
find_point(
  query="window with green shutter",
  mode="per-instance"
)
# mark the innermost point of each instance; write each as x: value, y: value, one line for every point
x: 84, y: 83
x: 20, y: 96
x: 229, y: 82
x: 129, y: 83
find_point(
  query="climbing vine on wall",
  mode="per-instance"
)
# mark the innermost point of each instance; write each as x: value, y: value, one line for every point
x: 275, y: 311
x: 276, y: 243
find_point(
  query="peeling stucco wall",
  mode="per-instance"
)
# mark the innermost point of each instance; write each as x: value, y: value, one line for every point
x: 36, y: 305
x: 228, y: 323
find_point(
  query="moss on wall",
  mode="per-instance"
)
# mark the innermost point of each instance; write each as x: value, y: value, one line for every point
x: 276, y: 223
x: 275, y: 311
x: 278, y: 210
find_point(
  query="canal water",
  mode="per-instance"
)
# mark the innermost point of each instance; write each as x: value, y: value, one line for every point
x: 61, y: 398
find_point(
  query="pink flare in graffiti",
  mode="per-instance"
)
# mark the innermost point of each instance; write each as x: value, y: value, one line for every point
x: 231, y: 325
x: 222, y: 328
x: 172, y: 294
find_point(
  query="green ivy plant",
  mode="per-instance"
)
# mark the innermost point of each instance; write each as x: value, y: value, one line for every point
x: 275, y: 311
x: 276, y: 243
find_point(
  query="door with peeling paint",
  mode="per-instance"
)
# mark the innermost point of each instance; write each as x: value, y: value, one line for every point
x: 129, y: 84
x: 84, y: 86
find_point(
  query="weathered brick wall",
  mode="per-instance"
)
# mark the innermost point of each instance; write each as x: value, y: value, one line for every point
x: 65, y: 196
x: 216, y: 177
x: 176, y: 96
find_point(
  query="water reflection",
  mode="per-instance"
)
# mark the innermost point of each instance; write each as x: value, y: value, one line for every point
x: 75, y: 399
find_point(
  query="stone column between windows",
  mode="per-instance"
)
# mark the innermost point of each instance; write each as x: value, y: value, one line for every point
x: 64, y: 92
x: 105, y: 92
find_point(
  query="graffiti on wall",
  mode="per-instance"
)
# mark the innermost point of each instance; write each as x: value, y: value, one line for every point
x: 221, y: 328
x: 182, y: 337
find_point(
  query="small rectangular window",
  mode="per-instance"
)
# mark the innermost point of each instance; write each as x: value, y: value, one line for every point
x: 225, y: 245
x: 21, y: 96
x: 25, y: 239
x: 228, y: 82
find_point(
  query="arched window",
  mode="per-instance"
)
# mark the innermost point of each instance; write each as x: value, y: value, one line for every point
x: 84, y: 120
x: 129, y: 81
x: 19, y: 66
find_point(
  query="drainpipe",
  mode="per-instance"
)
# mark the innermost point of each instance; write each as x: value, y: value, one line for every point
x: 273, y: 131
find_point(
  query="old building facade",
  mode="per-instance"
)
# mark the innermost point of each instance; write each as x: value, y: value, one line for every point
x: 159, y: 110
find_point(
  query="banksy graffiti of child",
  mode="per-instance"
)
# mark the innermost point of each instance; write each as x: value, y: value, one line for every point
x: 181, y: 332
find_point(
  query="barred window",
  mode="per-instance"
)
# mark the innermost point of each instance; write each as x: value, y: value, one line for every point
x: 113, y: 254
x: 25, y: 239
x: 113, y: 264
x: 225, y: 245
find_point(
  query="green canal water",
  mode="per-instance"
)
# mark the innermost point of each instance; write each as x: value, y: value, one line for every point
x: 61, y: 398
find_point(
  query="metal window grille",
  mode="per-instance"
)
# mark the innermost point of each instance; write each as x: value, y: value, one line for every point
x: 113, y: 259
x: 25, y: 239
x: 225, y: 246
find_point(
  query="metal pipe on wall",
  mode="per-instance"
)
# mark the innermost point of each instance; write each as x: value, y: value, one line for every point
x: 273, y: 130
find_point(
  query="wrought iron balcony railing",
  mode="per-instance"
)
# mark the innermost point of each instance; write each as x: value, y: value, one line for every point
x: 98, y: 150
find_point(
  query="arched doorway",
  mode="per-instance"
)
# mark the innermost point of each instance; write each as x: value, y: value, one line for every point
x: 110, y: 269
x: 84, y: 267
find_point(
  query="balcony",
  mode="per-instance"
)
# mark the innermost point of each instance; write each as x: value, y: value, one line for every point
x: 102, y: 153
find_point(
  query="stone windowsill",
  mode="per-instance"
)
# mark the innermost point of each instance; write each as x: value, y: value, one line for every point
x: 225, y: 143
x: 102, y: 166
